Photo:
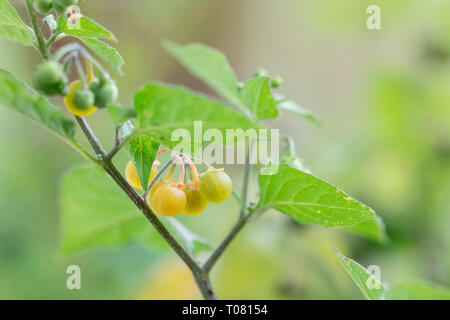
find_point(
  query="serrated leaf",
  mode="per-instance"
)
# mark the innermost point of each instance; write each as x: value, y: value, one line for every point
x: 86, y: 29
x: 17, y: 95
x: 161, y: 109
x: 12, y: 26
x: 209, y: 65
x: 371, y: 288
x: 309, y: 199
x: 417, y: 291
x: 258, y: 97
x: 105, y: 51
x: 97, y: 213
x: 291, y: 106
x: 119, y: 114
x: 143, y: 153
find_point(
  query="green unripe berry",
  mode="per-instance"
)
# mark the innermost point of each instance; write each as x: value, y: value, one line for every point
x: 50, y: 78
x: 61, y: 5
x: 105, y: 92
x: 276, y: 82
x: 43, y: 6
x: 84, y: 99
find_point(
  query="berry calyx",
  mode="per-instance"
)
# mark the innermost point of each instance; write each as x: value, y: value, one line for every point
x: 50, y: 78
x: 216, y: 185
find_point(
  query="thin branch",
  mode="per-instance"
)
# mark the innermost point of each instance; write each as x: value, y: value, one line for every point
x: 207, y: 266
x: 160, y: 173
x: 96, y: 146
x: 37, y: 31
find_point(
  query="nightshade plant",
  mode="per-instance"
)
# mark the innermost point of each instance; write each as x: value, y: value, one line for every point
x: 118, y: 213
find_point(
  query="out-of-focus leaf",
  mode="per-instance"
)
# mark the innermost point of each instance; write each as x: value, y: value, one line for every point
x: 12, y: 26
x: 371, y: 288
x: 17, y: 95
x: 291, y: 106
x: 309, y: 199
x: 161, y: 109
x: 417, y: 291
x: 97, y: 213
x: 143, y: 152
x: 105, y: 51
x: 119, y: 114
x: 209, y: 65
x: 257, y: 96
x: 373, y: 229
x: 192, y: 242
x: 86, y: 29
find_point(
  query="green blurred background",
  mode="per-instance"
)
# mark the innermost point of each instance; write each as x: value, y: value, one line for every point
x: 383, y: 97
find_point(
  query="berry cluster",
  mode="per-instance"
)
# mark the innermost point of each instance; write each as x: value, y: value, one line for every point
x: 170, y: 198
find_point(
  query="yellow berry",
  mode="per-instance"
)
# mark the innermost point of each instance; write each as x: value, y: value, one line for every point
x: 196, y: 202
x: 168, y: 200
x: 216, y: 185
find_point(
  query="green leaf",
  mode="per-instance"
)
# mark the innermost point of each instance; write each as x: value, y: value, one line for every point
x: 97, y: 213
x: 257, y: 95
x: 143, y: 153
x: 209, y: 65
x: 87, y: 29
x: 373, y: 229
x: 105, y: 51
x: 362, y: 278
x: 291, y: 106
x: 161, y: 109
x: 418, y: 291
x: 119, y: 114
x: 12, y: 26
x: 15, y: 94
x: 309, y: 199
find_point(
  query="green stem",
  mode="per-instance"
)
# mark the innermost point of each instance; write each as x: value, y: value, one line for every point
x: 200, y: 276
x: 37, y: 31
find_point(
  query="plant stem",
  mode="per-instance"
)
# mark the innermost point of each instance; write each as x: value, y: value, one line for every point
x: 200, y: 276
x: 207, y: 266
x: 43, y: 49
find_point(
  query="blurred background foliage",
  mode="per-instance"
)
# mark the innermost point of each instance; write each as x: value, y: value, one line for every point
x: 384, y: 100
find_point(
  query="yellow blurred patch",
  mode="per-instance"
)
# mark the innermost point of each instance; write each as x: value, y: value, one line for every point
x: 170, y: 280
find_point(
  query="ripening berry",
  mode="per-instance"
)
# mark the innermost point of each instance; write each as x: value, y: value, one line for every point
x: 196, y: 201
x: 168, y: 200
x: 75, y: 87
x: 216, y: 185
